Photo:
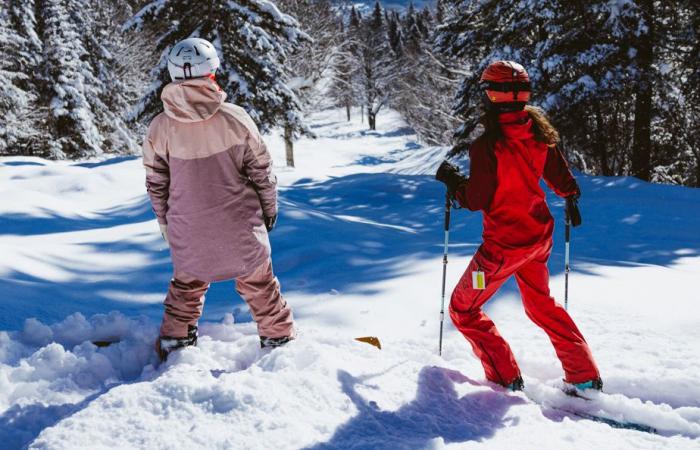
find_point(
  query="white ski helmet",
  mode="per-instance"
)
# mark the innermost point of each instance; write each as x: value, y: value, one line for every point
x: 192, y: 58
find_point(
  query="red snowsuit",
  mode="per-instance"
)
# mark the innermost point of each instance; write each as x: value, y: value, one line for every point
x: 504, y: 184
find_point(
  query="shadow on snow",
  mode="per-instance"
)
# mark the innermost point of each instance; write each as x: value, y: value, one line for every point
x: 347, y: 233
x: 436, y: 412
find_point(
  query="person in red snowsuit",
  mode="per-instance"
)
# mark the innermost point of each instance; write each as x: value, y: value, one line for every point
x: 516, y: 150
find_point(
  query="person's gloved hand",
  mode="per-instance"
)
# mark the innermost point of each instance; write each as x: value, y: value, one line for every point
x: 449, y: 174
x: 270, y: 222
x: 572, y: 210
x: 576, y: 195
x: 164, y: 232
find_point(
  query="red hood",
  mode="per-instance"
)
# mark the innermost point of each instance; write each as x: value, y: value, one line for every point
x: 516, y: 125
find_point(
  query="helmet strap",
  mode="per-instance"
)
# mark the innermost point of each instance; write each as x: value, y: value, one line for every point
x: 185, y: 68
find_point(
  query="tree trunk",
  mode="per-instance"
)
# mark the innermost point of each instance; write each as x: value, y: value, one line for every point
x: 641, y: 152
x: 371, y: 119
x: 602, y: 139
x: 289, y: 144
x: 362, y: 114
x: 347, y: 109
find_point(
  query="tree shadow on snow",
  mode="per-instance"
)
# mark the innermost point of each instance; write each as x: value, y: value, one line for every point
x: 347, y: 232
x: 343, y: 235
x: 436, y: 412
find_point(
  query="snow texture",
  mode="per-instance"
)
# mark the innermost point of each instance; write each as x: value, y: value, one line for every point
x: 358, y: 250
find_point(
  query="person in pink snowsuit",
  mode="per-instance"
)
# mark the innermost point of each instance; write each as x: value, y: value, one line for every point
x: 210, y: 181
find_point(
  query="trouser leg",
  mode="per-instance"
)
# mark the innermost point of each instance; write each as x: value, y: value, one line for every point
x: 261, y: 290
x: 465, y: 310
x: 183, y: 306
x: 569, y: 344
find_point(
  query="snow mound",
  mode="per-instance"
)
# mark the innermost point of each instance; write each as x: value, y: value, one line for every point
x: 322, y: 391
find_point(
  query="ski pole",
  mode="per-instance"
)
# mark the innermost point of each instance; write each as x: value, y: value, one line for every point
x: 567, y: 234
x: 573, y: 218
x: 448, y: 204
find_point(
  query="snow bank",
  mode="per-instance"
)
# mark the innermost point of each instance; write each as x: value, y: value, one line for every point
x: 322, y: 391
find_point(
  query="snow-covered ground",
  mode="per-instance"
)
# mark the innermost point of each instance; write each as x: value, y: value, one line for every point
x: 358, y: 250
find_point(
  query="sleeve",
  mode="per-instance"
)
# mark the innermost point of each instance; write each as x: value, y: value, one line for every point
x: 157, y: 178
x: 258, y: 167
x: 477, y: 192
x: 557, y: 174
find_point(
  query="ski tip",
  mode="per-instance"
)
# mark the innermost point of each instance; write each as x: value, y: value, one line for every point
x: 371, y: 340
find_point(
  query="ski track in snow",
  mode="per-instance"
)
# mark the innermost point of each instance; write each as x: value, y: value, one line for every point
x: 358, y: 251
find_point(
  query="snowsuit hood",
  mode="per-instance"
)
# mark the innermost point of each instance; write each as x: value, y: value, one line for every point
x: 192, y: 100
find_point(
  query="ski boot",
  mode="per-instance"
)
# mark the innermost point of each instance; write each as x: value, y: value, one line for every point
x: 577, y: 389
x: 274, y: 342
x: 516, y: 385
x: 166, y: 345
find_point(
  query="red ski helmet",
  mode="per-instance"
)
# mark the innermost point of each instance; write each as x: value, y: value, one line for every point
x: 506, y: 82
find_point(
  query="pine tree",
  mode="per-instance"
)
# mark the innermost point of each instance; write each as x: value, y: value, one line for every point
x: 65, y: 97
x: 20, y: 127
x: 481, y: 32
x: 78, y: 78
x: 395, y: 34
x: 355, y: 18
x: 423, y: 85
x: 376, y: 69
x: 342, y: 89
x: 684, y: 110
x: 253, y: 39
x: 601, y: 69
x: 440, y: 11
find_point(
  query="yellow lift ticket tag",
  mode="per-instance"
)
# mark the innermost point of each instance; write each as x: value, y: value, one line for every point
x: 478, y: 279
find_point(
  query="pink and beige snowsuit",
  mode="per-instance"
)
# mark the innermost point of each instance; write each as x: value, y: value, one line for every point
x: 209, y: 177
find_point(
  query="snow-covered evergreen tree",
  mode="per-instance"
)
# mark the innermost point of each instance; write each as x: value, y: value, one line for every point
x: 342, y: 88
x: 70, y: 79
x: 604, y: 70
x: 312, y: 65
x: 20, y: 127
x: 691, y: 83
x: 254, y: 40
x: 395, y: 33
x: 424, y: 84
x: 377, y: 70
x: 65, y: 95
x: 479, y: 32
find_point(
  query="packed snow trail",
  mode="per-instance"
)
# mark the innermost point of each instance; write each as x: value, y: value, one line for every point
x: 358, y: 250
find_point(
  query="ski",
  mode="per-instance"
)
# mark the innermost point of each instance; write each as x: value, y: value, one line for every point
x: 627, y: 425
x: 619, y: 424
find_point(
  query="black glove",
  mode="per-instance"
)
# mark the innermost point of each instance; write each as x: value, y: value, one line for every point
x: 450, y: 175
x: 572, y: 211
x: 576, y: 195
x: 270, y: 222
